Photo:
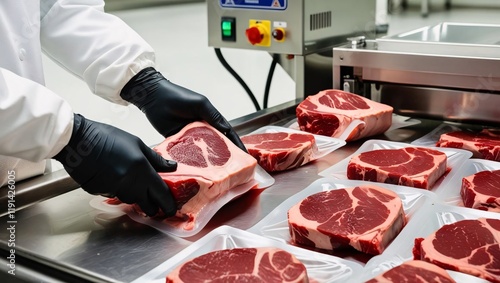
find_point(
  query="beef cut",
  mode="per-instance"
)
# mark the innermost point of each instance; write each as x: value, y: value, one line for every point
x: 484, y: 144
x: 482, y: 190
x: 469, y: 246
x: 330, y: 112
x: 366, y: 218
x: 414, y: 271
x: 257, y: 265
x: 208, y: 165
x: 280, y: 151
x: 417, y: 167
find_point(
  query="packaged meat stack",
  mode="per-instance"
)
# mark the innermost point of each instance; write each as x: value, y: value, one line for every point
x: 366, y: 218
x: 260, y: 264
x: 330, y: 112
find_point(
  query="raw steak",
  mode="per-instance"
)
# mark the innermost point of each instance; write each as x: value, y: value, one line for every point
x: 482, y: 190
x: 484, y: 144
x: 208, y: 165
x: 468, y: 246
x: 414, y: 271
x: 409, y: 166
x: 331, y: 111
x: 366, y: 218
x: 256, y: 265
x: 280, y: 151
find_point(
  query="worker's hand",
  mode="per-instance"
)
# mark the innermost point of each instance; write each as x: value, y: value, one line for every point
x: 170, y: 107
x: 107, y: 161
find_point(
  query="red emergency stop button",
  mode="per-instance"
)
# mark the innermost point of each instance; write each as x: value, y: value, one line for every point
x: 254, y: 35
x: 259, y: 33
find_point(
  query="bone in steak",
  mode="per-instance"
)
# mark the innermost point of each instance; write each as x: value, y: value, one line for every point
x: 257, y: 265
x: 409, y: 166
x: 414, y: 271
x: 330, y: 112
x: 280, y: 151
x: 482, y: 190
x: 470, y: 246
x: 208, y: 165
x: 484, y: 144
x: 366, y: 218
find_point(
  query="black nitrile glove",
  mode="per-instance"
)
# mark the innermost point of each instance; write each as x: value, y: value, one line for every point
x: 170, y: 107
x: 107, y: 161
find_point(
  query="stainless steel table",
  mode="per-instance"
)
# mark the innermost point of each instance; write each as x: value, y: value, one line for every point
x: 65, y: 238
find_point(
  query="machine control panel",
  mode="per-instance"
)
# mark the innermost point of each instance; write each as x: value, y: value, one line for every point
x: 258, y: 32
x: 298, y: 27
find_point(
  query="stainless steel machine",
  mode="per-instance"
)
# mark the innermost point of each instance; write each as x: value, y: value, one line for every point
x: 302, y: 31
x: 448, y: 71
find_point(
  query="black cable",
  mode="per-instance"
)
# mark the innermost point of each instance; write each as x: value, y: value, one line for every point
x: 237, y: 77
x: 269, y: 79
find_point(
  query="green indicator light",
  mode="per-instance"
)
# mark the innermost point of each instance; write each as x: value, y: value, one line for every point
x: 226, y: 29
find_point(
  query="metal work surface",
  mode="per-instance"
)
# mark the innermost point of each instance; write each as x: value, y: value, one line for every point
x: 66, y: 234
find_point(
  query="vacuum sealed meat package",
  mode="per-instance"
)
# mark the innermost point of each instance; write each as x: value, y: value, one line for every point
x: 211, y: 171
x: 331, y: 111
x: 278, y: 149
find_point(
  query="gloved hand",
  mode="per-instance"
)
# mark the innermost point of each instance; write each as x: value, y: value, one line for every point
x: 107, y: 161
x: 170, y: 107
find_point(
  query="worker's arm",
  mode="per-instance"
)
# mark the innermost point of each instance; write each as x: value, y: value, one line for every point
x: 95, y: 46
x: 35, y: 123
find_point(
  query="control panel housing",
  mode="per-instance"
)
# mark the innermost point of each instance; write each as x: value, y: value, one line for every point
x: 295, y: 27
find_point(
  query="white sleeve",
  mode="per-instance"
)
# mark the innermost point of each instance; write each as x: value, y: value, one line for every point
x: 35, y: 123
x: 95, y: 46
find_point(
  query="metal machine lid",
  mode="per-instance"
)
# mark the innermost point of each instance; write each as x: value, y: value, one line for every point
x: 446, y: 38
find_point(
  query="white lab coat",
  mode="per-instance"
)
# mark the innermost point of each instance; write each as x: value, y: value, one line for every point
x: 35, y: 123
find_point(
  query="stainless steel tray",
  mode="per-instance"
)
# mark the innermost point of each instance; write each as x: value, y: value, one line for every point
x: 446, y: 38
